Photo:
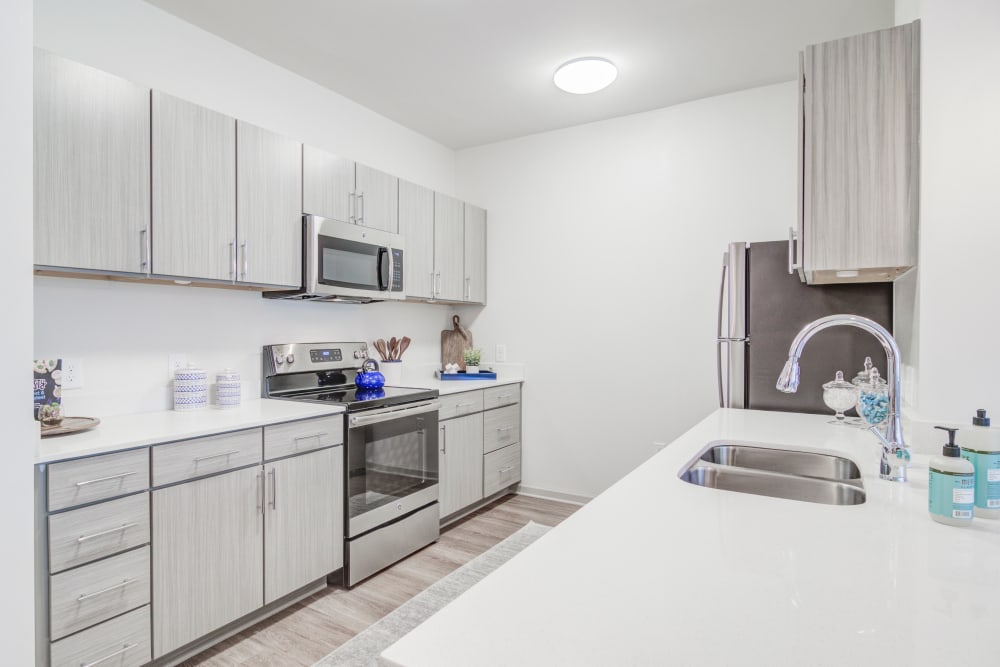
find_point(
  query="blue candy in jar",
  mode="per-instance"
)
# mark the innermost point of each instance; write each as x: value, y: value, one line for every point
x: 873, y: 399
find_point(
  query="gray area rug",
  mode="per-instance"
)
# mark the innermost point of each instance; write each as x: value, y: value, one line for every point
x: 363, y: 649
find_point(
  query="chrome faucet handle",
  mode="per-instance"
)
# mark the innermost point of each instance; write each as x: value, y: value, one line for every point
x: 895, y: 457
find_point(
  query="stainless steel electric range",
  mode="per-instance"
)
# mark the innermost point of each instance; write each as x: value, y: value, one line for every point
x: 391, y: 458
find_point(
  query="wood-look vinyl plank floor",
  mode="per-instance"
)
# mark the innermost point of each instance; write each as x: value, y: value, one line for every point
x: 315, y: 626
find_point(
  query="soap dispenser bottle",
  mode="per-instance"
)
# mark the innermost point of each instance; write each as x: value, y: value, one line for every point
x: 951, y: 487
x: 984, y: 455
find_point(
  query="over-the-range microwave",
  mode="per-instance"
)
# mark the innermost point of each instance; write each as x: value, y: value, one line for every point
x: 347, y: 263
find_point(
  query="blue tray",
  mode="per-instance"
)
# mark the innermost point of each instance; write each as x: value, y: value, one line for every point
x: 481, y: 375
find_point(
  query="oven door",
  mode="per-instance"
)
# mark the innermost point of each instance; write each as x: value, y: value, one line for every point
x: 353, y: 261
x: 392, y: 464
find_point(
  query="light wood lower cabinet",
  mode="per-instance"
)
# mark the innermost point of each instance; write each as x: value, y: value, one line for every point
x: 121, y: 642
x: 460, y: 461
x: 304, y: 521
x: 208, y: 564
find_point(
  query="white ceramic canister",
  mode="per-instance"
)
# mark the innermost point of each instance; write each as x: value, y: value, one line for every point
x: 392, y: 371
x: 190, y: 388
x: 228, y: 389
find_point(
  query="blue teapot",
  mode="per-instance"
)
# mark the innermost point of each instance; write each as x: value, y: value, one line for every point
x: 368, y: 376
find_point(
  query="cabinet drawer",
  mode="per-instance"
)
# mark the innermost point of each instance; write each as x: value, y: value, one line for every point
x: 97, y: 478
x: 80, y: 536
x: 122, y: 642
x: 501, y: 427
x: 456, y: 405
x: 501, y: 469
x: 497, y: 397
x: 188, y: 459
x: 302, y: 436
x: 96, y: 592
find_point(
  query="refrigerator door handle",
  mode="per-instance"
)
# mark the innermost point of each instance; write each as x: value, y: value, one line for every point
x: 719, y: 338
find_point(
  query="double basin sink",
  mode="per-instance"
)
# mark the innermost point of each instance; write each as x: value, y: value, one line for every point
x: 763, y: 470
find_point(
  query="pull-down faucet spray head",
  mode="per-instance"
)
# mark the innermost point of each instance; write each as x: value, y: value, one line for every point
x: 788, y: 381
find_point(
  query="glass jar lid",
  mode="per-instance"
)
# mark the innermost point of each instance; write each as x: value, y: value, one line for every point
x: 838, y: 382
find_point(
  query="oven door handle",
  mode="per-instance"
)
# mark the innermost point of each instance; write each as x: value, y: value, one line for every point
x: 391, y: 414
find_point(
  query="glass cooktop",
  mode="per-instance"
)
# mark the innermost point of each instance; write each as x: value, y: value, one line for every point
x: 363, y: 399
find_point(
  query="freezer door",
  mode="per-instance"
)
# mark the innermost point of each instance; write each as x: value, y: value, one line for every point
x: 732, y: 328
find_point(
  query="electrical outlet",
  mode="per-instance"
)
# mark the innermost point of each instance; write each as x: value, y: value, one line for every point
x: 501, y: 353
x: 72, y: 373
x: 175, y: 361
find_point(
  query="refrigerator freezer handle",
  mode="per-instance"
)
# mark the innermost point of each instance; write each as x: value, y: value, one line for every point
x: 718, y: 344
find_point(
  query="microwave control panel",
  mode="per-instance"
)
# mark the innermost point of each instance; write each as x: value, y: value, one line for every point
x: 397, y: 270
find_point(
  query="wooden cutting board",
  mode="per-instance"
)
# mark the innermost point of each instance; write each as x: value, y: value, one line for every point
x: 454, y: 342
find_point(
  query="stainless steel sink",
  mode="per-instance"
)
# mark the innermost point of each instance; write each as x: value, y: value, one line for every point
x: 787, y: 461
x: 778, y: 473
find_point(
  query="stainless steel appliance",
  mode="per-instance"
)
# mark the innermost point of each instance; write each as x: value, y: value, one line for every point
x: 347, y: 263
x: 391, y: 450
x: 763, y: 305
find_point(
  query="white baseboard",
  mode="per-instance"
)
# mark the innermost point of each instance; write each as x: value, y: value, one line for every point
x: 552, y: 495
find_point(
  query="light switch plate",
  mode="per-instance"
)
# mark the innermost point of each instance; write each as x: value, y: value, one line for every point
x: 500, y: 355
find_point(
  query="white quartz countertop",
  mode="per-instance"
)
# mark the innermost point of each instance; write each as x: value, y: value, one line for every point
x: 446, y: 387
x: 656, y: 571
x: 150, y: 428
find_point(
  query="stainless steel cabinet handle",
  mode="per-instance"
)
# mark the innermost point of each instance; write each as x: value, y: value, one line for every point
x: 437, y: 283
x: 220, y: 455
x: 87, y: 596
x: 319, y: 436
x: 109, y: 531
x: 504, y: 428
x: 246, y: 261
x: 465, y: 405
x: 468, y: 288
x: 361, y: 198
x: 507, y: 469
x: 144, y: 249
x: 274, y: 488
x: 123, y: 649
x: 352, y: 206
x: 433, y: 283
x: 105, y: 479
x: 232, y: 260
x: 260, y: 492
x: 503, y: 396
x: 793, y: 239
x: 444, y: 438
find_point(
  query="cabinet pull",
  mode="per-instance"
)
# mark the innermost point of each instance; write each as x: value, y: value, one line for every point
x: 437, y: 283
x: 199, y: 459
x: 433, y: 283
x: 319, y: 436
x: 87, y: 596
x: 468, y: 288
x: 352, y: 206
x: 109, y: 531
x: 246, y: 261
x: 505, y: 428
x: 503, y: 396
x: 507, y: 469
x: 465, y: 405
x: 123, y: 649
x: 793, y: 239
x: 444, y: 439
x: 232, y: 260
x: 105, y: 479
x: 274, y: 489
x: 144, y: 250
x: 361, y: 198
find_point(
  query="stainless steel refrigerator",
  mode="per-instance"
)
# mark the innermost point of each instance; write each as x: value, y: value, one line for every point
x: 763, y: 304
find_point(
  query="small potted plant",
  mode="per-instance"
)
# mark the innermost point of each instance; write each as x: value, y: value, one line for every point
x: 472, y: 358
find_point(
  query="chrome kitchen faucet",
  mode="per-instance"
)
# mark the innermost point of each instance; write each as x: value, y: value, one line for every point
x: 895, y: 454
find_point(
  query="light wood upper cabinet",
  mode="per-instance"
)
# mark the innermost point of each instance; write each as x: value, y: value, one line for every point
x: 475, y: 254
x: 91, y: 134
x: 268, y: 207
x: 449, y: 248
x: 208, y: 563
x: 416, y: 224
x: 377, y: 198
x: 460, y: 461
x: 304, y: 535
x: 860, y: 165
x: 327, y: 185
x: 194, y: 190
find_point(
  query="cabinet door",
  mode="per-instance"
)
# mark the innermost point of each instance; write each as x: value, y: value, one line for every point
x: 91, y: 168
x: 304, y: 536
x: 416, y: 224
x: 268, y: 207
x: 194, y: 190
x: 475, y: 254
x: 378, y: 198
x: 449, y: 247
x: 461, y: 462
x: 208, y: 555
x: 861, y: 156
x: 327, y: 185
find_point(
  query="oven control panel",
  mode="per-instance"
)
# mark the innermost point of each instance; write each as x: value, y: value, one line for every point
x: 311, y: 357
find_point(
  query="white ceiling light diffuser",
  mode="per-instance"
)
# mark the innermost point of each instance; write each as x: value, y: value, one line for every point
x: 585, y: 75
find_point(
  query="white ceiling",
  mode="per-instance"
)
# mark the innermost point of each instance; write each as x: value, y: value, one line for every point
x: 470, y: 72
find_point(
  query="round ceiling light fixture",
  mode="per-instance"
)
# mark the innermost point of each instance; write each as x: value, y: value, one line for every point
x: 585, y: 75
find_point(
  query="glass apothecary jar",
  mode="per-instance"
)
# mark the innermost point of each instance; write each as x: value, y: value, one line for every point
x: 873, y: 399
x: 839, y: 395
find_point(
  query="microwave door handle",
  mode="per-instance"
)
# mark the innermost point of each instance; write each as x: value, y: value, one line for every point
x: 382, y: 287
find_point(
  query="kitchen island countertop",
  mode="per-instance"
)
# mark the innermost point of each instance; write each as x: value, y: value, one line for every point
x: 121, y: 432
x: 656, y: 571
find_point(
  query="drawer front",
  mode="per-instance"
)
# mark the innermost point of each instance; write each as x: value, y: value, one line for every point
x: 93, y: 593
x: 497, y: 397
x: 122, y: 642
x: 456, y: 405
x: 501, y: 427
x: 188, y: 459
x: 97, y: 478
x: 501, y: 469
x: 302, y: 436
x: 80, y: 536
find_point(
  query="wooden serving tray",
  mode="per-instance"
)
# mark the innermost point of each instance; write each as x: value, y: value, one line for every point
x: 70, y: 425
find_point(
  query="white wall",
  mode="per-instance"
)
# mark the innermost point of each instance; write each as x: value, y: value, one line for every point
x: 20, y: 432
x: 951, y: 303
x: 605, y: 249
x: 123, y: 332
